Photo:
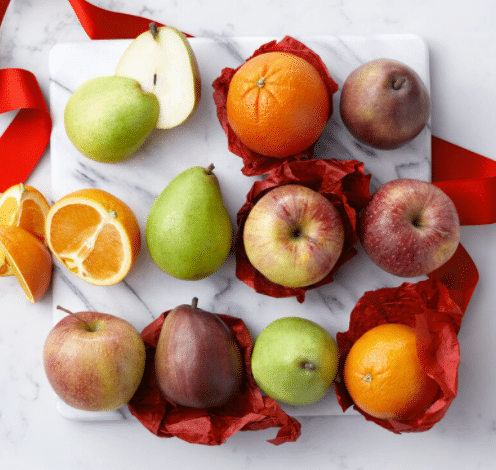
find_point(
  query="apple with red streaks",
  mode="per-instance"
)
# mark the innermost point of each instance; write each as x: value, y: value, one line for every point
x: 410, y: 227
x: 293, y: 235
x: 94, y: 361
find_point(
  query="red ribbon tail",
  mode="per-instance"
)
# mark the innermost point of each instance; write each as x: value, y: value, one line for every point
x: 104, y: 24
x: 460, y: 276
x: 468, y: 178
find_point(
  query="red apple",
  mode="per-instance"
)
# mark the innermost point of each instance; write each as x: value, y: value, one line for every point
x: 410, y: 227
x: 293, y: 236
x: 94, y: 361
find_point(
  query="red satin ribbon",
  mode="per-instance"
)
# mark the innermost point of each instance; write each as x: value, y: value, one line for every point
x: 26, y: 138
x: 468, y: 178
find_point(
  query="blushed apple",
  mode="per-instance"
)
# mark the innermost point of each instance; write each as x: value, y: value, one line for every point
x: 410, y: 227
x: 94, y: 361
x: 293, y: 236
x: 294, y: 360
x: 384, y: 103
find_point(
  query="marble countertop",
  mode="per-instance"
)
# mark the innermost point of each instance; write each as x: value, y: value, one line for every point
x: 462, y: 49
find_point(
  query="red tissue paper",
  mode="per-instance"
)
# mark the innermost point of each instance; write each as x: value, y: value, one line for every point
x: 255, y: 163
x: 247, y: 411
x: 427, y: 307
x: 342, y: 182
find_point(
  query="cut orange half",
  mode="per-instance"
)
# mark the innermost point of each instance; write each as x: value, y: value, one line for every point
x: 29, y: 259
x: 95, y: 235
x: 25, y: 207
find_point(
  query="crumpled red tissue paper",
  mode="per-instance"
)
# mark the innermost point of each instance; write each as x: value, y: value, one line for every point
x: 427, y: 307
x: 342, y: 182
x: 255, y: 163
x: 247, y: 411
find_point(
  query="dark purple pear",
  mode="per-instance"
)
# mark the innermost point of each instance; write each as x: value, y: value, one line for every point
x: 197, y: 361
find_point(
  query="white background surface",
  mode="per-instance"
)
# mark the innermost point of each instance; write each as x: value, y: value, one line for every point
x: 462, y: 42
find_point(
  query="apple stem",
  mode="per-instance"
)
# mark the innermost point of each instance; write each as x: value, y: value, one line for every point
x: 194, y: 302
x: 153, y: 29
x: 209, y: 169
x: 308, y: 365
x: 88, y: 326
x: 398, y: 82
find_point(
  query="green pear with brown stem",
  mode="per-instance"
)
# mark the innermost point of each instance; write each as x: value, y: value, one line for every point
x: 188, y: 230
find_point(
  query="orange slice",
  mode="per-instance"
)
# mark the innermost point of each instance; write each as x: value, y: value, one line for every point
x: 95, y: 235
x: 29, y: 259
x: 25, y: 207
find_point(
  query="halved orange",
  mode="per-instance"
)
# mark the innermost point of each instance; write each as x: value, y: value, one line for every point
x: 29, y: 259
x: 95, y: 235
x: 25, y: 207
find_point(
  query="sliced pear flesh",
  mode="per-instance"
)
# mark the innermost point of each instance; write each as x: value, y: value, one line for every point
x: 164, y: 63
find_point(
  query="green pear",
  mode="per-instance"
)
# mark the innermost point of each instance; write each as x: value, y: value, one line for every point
x: 294, y: 360
x: 109, y: 118
x: 188, y: 229
x: 164, y: 63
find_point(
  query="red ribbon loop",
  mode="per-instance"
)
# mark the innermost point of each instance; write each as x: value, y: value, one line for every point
x: 26, y: 138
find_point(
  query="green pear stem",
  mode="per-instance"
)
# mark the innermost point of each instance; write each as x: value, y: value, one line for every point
x: 194, y: 302
x: 153, y: 29
x: 209, y: 169
x: 75, y: 315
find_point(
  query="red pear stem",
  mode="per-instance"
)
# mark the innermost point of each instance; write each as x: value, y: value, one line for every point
x: 398, y: 82
x: 88, y: 326
x: 194, y: 302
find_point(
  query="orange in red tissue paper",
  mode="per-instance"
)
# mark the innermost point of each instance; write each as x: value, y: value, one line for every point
x: 248, y: 411
x: 342, y: 182
x: 427, y: 307
x: 255, y: 163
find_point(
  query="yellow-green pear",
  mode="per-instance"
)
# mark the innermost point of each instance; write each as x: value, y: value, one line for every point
x: 188, y: 230
x: 108, y: 118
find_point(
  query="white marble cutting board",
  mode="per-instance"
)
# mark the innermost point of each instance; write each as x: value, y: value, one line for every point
x: 147, y: 291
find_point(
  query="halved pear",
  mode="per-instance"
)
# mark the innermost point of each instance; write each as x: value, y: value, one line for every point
x: 164, y: 63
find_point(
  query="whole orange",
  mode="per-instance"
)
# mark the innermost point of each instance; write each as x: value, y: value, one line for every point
x: 384, y: 376
x: 277, y: 104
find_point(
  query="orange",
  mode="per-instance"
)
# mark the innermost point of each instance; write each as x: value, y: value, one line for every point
x: 22, y: 206
x: 384, y: 376
x: 95, y: 235
x: 29, y: 259
x: 277, y: 104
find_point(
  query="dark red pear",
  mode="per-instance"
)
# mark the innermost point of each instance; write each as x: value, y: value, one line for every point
x: 384, y: 103
x: 197, y: 361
